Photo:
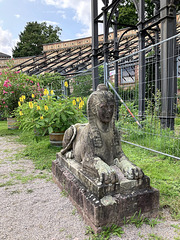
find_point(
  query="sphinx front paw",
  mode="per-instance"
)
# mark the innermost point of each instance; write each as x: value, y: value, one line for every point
x: 105, y: 172
x: 133, y: 173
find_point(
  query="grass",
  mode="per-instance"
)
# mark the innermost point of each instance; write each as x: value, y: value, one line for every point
x: 27, y: 178
x: 138, y: 220
x: 153, y: 236
x: 163, y: 171
x: 4, y: 131
x: 106, y: 233
x: 8, y: 183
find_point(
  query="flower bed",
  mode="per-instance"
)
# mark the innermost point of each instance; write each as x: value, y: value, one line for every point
x: 15, y: 88
x: 49, y: 114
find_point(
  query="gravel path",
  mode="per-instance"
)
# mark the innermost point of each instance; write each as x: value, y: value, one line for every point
x: 32, y: 207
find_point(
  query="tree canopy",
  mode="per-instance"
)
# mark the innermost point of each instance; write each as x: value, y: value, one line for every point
x: 128, y: 14
x: 33, y: 37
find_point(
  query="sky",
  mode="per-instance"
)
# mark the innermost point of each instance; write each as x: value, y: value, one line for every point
x: 72, y: 16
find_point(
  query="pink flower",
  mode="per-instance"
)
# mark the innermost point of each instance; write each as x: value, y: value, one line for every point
x: 0, y: 73
x: 3, y: 102
x: 4, y: 92
x: 6, y: 106
x: 31, y: 81
x: 0, y: 105
x: 38, y: 84
x: 5, y: 84
x: 17, y: 72
x: 12, y: 92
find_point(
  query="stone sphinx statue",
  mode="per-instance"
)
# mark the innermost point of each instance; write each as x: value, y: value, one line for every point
x: 101, y: 181
x: 96, y: 146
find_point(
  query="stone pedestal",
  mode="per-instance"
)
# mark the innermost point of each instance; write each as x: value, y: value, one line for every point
x: 104, y: 205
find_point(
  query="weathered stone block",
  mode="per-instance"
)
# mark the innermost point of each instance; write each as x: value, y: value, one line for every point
x: 99, y: 212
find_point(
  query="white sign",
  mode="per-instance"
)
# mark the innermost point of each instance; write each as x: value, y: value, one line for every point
x: 112, y: 72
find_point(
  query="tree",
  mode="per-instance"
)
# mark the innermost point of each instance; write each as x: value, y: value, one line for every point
x: 33, y: 37
x: 128, y: 14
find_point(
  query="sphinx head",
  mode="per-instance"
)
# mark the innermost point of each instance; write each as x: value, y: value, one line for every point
x: 101, y: 104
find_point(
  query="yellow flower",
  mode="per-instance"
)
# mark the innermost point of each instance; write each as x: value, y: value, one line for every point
x: 31, y: 105
x: 41, y: 117
x: 66, y: 84
x: 22, y: 98
x: 77, y: 99
x: 74, y: 102
x: 38, y: 107
x: 80, y: 105
x: 48, y: 97
x: 46, y: 92
x: 33, y: 96
x: 52, y: 92
x: 19, y: 103
x: 45, y: 107
x: 21, y: 113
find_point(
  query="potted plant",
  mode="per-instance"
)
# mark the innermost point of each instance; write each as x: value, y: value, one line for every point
x: 50, y: 115
x: 15, y: 88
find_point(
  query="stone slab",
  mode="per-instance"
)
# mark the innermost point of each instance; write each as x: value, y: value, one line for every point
x: 110, y: 209
x: 98, y: 189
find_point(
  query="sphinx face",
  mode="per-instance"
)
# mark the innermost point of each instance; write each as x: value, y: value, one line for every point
x: 105, y: 111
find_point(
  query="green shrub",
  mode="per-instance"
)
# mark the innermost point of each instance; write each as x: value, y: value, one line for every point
x: 49, y: 114
x: 15, y: 85
x: 52, y: 81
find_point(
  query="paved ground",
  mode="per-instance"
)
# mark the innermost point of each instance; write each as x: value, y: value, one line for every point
x: 32, y: 207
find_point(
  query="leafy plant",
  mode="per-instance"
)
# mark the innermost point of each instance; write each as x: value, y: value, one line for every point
x: 178, y: 83
x: 151, y: 135
x: 81, y: 85
x: 64, y: 193
x: 106, y: 233
x: 49, y: 114
x: 153, y: 236
x: 152, y: 222
x: 15, y: 85
x: 137, y: 219
x: 52, y: 81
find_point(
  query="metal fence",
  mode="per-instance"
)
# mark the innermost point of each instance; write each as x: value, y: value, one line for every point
x: 157, y: 128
